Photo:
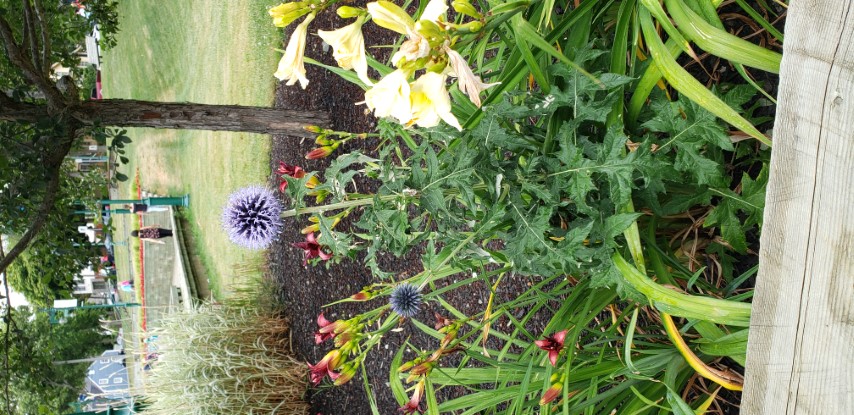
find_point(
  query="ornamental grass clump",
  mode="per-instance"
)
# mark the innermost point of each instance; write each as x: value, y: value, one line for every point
x: 225, y: 359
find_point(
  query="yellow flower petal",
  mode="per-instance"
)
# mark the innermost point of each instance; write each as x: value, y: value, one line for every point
x: 431, y: 102
x: 390, y: 97
x: 390, y: 16
x: 348, y: 48
x: 292, y: 66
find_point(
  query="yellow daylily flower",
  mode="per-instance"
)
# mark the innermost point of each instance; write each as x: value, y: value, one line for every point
x: 390, y: 97
x: 292, y: 66
x: 286, y: 13
x: 414, y: 48
x: 431, y: 102
x: 390, y: 16
x: 468, y: 83
x: 348, y: 48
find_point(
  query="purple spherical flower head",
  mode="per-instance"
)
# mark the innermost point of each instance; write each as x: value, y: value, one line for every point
x: 405, y: 300
x: 252, y: 217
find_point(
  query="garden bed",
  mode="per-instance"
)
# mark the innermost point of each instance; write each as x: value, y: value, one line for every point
x: 305, y: 291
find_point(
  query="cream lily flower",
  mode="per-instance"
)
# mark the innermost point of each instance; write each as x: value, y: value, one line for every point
x: 291, y: 66
x: 434, y: 10
x: 431, y: 102
x: 469, y: 83
x: 390, y: 16
x: 390, y: 97
x: 348, y: 48
x: 414, y: 48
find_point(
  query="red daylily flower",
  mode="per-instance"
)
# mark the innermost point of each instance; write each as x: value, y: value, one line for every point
x: 552, y: 344
x: 286, y: 169
x: 327, y: 330
x: 325, y: 366
x: 414, y: 404
x: 311, y: 249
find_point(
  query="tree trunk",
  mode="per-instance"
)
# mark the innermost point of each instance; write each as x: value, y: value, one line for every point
x: 147, y: 114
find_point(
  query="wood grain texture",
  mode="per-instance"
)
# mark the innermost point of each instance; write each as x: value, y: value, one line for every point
x: 800, y: 357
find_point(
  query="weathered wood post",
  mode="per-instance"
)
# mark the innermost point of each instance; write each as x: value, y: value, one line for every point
x: 800, y: 356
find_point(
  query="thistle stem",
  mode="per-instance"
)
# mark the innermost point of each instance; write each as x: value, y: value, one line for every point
x: 335, y: 206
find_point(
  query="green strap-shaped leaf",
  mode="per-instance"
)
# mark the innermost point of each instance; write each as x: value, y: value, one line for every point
x: 683, y: 82
x: 732, y: 313
x: 656, y: 10
x: 719, y: 42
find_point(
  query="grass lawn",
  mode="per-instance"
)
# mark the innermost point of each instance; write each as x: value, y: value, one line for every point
x: 205, y: 52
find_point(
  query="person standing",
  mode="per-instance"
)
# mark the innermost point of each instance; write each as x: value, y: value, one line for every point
x: 152, y: 234
x: 142, y: 208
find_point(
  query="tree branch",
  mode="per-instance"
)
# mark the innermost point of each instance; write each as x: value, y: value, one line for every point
x: 45, y: 35
x: 56, y: 102
x: 30, y: 36
x: 7, y: 319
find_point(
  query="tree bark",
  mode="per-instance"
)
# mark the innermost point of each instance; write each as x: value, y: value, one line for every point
x: 187, y: 116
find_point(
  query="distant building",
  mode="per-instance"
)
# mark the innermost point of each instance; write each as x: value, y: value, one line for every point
x: 107, y: 378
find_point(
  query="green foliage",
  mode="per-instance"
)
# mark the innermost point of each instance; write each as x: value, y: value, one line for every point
x: 547, y: 181
x: 46, y: 270
x: 37, y: 385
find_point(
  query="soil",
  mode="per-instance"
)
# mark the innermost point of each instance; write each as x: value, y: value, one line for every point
x: 305, y: 291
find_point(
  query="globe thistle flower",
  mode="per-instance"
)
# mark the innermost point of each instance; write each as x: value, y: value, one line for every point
x: 252, y: 217
x: 406, y: 300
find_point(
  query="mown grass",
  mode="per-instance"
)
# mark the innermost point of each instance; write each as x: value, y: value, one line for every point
x: 203, y: 52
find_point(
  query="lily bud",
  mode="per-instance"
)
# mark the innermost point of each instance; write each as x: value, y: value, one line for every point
x: 347, y: 12
x: 363, y: 295
x: 552, y: 393
x: 410, y: 364
x: 471, y: 27
x: 313, y: 129
x: 285, y: 13
x: 347, y: 372
x: 464, y: 7
x: 321, y: 152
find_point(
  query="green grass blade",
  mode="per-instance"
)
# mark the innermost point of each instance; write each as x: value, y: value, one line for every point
x: 683, y: 82
x: 654, y: 7
x: 529, y: 33
x: 645, y: 85
x: 719, y: 42
x: 394, y: 382
x: 528, y: 57
x: 760, y: 20
x: 430, y: 396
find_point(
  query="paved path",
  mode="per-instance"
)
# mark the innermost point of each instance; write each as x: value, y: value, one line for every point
x: 166, y: 286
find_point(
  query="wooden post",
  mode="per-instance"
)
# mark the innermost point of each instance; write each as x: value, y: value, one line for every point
x: 800, y: 355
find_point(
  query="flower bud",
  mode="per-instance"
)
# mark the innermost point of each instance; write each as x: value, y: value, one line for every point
x: 347, y: 12
x: 312, y: 129
x: 347, y: 373
x: 285, y: 13
x: 321, y: 152
x: 471, y: 27
x: 552, y: 393
x: 464, y: 7
x: 364, y: 295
